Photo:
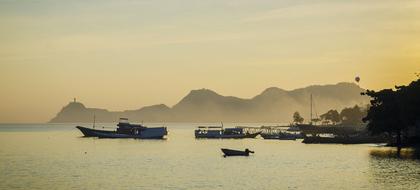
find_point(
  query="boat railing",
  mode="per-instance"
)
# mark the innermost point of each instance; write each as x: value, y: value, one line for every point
x: 273, y: 131
x: 209, y: 127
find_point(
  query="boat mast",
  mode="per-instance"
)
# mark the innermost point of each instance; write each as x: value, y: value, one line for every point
x: 310, y: 121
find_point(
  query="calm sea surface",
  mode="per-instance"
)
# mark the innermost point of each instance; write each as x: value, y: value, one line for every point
x: 54, y: 156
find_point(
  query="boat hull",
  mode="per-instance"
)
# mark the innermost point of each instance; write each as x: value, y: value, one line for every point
x: 280, y: 136
x: 344, y: 140
x: 224, y: 136
x: 230, y: 152
x: 88, y: 132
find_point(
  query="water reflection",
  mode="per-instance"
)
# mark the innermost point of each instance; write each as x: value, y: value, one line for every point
x: 388, y: 171
x: 55, y: 158
x: 406, y: 153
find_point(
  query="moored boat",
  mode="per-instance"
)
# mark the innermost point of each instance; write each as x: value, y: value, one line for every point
x: 126, y: 130
x: 231, y: 152
x: 362, y: 139
x: 279, y: 133
x: 218, y: 132
x: 279, y: 136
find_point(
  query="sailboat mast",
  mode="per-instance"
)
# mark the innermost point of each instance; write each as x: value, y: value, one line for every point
x: 310, y: 121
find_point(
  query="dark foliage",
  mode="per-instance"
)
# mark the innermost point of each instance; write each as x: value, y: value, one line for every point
x: 332, y: 116
x: 297, y: 118
x: 352, y: 115
x: 394, y: 111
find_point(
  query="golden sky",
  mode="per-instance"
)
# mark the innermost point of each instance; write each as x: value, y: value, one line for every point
x: 125, y: 54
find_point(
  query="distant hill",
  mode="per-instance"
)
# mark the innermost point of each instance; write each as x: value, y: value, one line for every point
x: 272, y: 105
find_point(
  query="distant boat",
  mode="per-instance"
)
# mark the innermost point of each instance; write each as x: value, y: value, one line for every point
x: 279, y: 133
x: 230, y: 152
x: 126, y: 130
x: 338, y: 134
x: 280, y: 136
x: 361, y: 139
x: 218, y: 132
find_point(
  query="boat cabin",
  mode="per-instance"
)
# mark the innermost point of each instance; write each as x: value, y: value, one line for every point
x: 209, y: 131
x: 124, y: 127
x: 233, y: 131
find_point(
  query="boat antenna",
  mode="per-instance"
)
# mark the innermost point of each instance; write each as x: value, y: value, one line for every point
x: 222, y: 123
x: 94, y: 120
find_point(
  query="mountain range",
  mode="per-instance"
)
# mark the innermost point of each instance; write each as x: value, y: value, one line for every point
x: 204, y: 105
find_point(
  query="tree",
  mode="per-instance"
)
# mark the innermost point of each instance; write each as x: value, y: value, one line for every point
x: 383, y: 115
x: 394, y: 111
x: 352, y: 116
x: 297, y: 118
x: 332, y: 116
x: 409, y: 101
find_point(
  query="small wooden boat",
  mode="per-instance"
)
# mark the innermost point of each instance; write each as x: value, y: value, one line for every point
x: 230, y: 152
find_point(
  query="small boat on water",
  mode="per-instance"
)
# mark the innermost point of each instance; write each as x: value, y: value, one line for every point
x: 126, y: 130
x: 231, y: 152
x: 218, y: 132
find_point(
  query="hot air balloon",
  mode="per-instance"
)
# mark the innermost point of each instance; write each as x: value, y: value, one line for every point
x: 357, y: 79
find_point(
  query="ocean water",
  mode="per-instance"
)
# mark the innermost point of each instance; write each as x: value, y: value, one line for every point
x: 55, y: 156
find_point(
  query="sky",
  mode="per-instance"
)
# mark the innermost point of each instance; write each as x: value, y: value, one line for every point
x: 125, y: 54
